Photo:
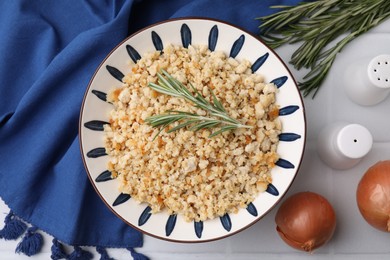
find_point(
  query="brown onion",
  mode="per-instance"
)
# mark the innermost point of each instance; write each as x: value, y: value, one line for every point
x: 305, y: 221
x: 373, y: 195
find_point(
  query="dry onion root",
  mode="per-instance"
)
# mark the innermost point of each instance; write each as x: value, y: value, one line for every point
x: 373, y: 195
x: 305, y: 221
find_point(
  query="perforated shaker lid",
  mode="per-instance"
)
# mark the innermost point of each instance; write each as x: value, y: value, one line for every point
x: 379, y: 71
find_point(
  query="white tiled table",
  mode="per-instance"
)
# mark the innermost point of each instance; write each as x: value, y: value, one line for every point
x: 353, y: 239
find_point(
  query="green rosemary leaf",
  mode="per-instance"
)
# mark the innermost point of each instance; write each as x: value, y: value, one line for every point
x: 164, y: 119
x: 182, y: 125
x: 226, y: 118
x: 217, y: 103
x: 158, y: 133
x: 205, y: 125
x: 181, y: 112
x: 198, y: 96
x: 168, y: 83
x: 162, y: 90
x: 222, y: 129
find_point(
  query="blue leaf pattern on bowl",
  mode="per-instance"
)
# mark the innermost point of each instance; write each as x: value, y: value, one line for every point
x: 97, y: 152
x: 186, y: 36
x: 226, y: 222
x: 213, y: 38
x: 198, y: 226
x: 171, y: 222
x: 134, y: 55
x: 104, y: 176
x: 96, y: 125
x: 144, y: 216
x: 157, y: 42
x: 285, y: 164
x: 122, y: 198
x: 280, y: 81
x: 100, y: 95
x: 271, y: 189
x: 237, y: 45
x: 288, y: 110
x: 117, y: 74
x: 289, y: 137
x: 259, y: 62
x: 252, y: 209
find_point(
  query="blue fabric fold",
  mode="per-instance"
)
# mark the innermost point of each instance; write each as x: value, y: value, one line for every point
x: 49, y: 51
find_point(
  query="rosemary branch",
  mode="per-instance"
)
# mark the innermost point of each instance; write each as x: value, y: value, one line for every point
x: 317, y: 25
x: 217, y: 115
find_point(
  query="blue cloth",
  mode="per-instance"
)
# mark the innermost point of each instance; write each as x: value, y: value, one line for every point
x: 49, y: 51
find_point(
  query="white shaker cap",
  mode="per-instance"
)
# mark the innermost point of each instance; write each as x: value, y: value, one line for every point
x: 354, y: 141
x: 367, y: 81
x: 342, y: 145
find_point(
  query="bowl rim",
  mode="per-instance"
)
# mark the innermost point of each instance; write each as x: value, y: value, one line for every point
x: 191, y: 18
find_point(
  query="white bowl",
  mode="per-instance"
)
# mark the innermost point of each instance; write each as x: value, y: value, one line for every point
x: 217, y: 35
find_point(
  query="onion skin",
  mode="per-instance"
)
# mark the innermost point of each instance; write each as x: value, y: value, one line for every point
x: 373, y: 196
x: 305, y: 221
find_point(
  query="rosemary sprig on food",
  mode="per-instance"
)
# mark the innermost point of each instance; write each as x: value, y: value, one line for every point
x: 317, y: 25
x: 216, y: 116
